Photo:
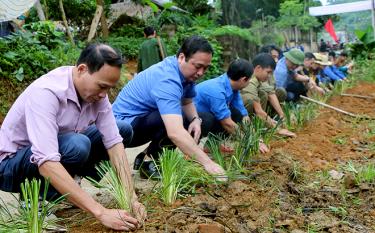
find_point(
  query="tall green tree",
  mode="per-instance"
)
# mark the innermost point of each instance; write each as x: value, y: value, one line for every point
x: 294, y: 13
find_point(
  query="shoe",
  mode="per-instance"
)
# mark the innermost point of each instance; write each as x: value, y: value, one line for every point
x: 148, y: 170
x: 138, y: 160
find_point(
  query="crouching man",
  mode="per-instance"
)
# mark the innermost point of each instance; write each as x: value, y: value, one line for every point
x: 219, y: 102
x: 61, y: 126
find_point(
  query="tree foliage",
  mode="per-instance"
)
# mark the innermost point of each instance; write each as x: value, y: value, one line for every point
x: 293, y: 13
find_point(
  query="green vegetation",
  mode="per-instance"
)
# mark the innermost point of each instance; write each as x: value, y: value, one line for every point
x: 111, y: 182
x: 32, y: 213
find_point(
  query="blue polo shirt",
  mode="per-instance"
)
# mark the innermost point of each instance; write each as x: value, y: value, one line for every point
x: 216, y: 96
x: 160, y: 87
x: 283, y: 76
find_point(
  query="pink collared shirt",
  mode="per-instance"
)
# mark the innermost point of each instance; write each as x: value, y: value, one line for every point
x: 47, y: 108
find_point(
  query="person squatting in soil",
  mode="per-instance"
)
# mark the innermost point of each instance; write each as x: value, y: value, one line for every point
x: 61, y: 126
x: 262, y: 92
x: 158, y: 103
x: 219, y: 103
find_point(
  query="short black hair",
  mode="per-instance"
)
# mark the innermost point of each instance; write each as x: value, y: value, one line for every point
x: 269, y: 48
x: 344, y: 54
x: 264, y: 60
x: 96, y: 55
x: 309, y: 56
x: 148, y: 31
x: 332, y: 54
x: 193, y: 45
x: 240, y: 68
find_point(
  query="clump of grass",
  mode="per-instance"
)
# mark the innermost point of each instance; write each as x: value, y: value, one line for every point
x: 362, y: 174
x: 113, y: 184
x: 31, y: 215
x: 295, y: 173
x: 173, y: 173
x: 179, y: 176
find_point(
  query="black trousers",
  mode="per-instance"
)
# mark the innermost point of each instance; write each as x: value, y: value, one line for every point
x: 150, y: 127
x: 211, y: 125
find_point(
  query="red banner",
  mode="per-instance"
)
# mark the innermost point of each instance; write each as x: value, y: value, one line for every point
x: 331, y: 30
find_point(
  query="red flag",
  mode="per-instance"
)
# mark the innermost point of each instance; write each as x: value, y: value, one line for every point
x: 331, y: 30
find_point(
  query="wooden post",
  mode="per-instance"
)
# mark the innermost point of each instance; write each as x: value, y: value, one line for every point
x: 66, y: 22
x: 103, y: 20
x: 328, y: 106
x: 39, y: 10
x: 95, y: 22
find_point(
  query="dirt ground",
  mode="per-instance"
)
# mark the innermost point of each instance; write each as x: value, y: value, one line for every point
x: 272, y: 200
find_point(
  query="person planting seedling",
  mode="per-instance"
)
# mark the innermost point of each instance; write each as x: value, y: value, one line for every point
x: 158, y: 103
x: 62, y: 126
x: 219, y: 102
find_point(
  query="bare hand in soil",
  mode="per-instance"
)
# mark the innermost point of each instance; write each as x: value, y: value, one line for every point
x: 118, y: 220
x: 217, y: 171
x: 287, y: 133
x: 195, y: 130
x: 140, y: 213
x: 263, y: 148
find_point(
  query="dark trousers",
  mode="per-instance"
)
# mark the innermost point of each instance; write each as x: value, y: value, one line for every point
x: 80, y: 152
x: 294, y: 90
x: 150, y: 127
x: 211, y: 125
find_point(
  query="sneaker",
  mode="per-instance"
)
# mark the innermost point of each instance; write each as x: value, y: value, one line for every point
x: 148, y: 170
x: 138, y: 160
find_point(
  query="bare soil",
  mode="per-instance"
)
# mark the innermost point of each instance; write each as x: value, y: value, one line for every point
x: 271, y: 200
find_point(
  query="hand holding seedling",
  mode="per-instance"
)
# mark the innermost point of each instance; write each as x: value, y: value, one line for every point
x: 117, y: 220
x: 263, y: 148
x: 216, y: 170
x: 139, y: 211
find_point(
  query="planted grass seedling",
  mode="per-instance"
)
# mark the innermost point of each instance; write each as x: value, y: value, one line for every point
x: 362, y: 174
x: 179, y: 176
x: 32, y: 213
x: 113, y: 184
x: 173, y: 174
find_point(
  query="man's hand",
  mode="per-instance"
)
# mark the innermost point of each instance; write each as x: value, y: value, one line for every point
x: 118, y: 220
x: 263, y: 148
x: 139, y: 211
x: 216, y: 170
x: 195, y: 129
x: 285, y: 132
x: 246, y: 119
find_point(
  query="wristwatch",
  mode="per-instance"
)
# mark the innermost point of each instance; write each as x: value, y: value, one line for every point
x: 196, y: 117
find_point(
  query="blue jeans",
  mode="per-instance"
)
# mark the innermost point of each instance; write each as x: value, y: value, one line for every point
x: 80, y: 152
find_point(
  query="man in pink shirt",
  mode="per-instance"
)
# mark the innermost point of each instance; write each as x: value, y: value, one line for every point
x: 61, y: 126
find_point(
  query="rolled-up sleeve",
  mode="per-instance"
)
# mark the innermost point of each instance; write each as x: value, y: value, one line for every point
x: 107, y: 126
x: 40, y: 115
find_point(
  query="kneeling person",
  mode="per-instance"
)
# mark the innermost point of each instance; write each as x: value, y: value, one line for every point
x: 219, y: 102
x: 261, y: 91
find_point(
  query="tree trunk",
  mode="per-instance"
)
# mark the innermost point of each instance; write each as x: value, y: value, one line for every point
x: 66, y: 22
x: 103, y: 20
x: 39, y: 10
x: 95, y: 22
x: 230, y: 14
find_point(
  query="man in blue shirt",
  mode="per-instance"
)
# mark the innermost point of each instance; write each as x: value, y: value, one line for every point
x: 286, y: 76
x: 219, y: 102
x: 158, y: 101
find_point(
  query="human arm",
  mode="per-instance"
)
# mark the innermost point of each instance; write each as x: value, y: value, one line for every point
x: 274, y: 101
x: 120, y: 162
x: 183, y: 140
x: 191, y: 113
x: 262, y: 114
x: 64, y: 184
